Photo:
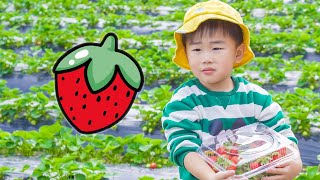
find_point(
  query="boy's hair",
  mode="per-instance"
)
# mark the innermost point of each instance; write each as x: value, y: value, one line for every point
x: 211, y: 26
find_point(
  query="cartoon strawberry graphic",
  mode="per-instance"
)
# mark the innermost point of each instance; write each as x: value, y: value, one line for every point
x: 96, y: 84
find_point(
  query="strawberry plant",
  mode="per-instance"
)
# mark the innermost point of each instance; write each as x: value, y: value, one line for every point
x: 300, y: 107
x: 8, y: 143
x: 4, y: 170
x: 146, y: 151
x: 157, y: 98
x: 67, y: 167
x: 310, y: 76
x: 10, y: 38
x: 317, y: 44
x: 309, y: 173
x: 8, y: 60
x: 271, y: 68
x: 154, y: 61
x: 56, y: 141
x: 32, y: 106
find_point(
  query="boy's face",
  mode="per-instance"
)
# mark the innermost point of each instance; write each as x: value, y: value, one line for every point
x: 211, y: 58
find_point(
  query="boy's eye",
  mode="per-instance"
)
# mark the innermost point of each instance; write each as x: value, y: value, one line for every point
x: 196, y: 49
x: 217, y: 48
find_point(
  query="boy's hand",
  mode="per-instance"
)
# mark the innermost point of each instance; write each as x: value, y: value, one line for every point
x: 220, y: 175
x: 201, y: 170
x: 286, y: 171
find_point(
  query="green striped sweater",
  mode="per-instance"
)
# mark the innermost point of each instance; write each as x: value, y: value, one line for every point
x: 196, y: 115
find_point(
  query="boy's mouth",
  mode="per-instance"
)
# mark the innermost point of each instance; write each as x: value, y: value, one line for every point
x: 208, y: 70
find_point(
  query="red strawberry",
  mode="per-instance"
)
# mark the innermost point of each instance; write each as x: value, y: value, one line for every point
x: 221, y: 150
x: 275, y: 155
x: 213, y: 158
x: 153, y: 165
x: 234, y: 151
x: 282, y: 151
x: 232, y: 167
x: 96, y: 84
x: 254, y: 165
x: 235, y: 159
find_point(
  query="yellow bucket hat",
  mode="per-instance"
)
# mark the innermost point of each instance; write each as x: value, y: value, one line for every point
x: 201, y: 12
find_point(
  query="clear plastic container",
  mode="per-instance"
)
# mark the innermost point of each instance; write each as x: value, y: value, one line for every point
x: 250, y: 151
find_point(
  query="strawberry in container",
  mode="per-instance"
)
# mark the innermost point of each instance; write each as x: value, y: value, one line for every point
x: 250, y: 151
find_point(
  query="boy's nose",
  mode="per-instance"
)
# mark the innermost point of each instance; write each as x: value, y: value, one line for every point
x: 207, y: 58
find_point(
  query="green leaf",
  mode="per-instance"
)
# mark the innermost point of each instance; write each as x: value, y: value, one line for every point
x: 132, y: 151
x: 46, y: 144
x: 146, y: 178
x: 73, y: 148
x: 312, y: 171
x: 43, y: 178
x: 25, y: 134
x: 163, y: 144
x: 80, y: 177
x: 35, y: 114
x: 50, y: 130
x: 25, y: 167
x: 145, y: 148
x: 10, y: 145
x: 5, y: 169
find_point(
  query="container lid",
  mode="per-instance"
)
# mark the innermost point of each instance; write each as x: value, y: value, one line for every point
x: 249, y: 150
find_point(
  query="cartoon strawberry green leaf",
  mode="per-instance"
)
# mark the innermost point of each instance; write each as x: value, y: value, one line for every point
x: 96, y: 84
x: 102, y: 61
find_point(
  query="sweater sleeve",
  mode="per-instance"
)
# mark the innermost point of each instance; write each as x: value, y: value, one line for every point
x: 272, y: 116
x: 181, y: 129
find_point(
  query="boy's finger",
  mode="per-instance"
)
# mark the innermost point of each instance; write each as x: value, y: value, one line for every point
x: 276, y: 171
x: 273, y: 178
x: 283, y: 165
x: 225, y: 175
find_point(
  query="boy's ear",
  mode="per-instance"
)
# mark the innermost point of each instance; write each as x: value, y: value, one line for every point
x: 240, y: 52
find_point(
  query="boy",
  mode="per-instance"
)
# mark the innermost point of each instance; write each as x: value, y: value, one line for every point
x: 211, y: 42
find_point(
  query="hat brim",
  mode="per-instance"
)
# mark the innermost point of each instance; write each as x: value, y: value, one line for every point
x: 180, y: 57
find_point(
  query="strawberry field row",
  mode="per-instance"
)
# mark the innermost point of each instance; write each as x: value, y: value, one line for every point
x: 63, y: 152
x: 65, y: 155
x: 154, y: 63
x: 265, y: 41
x: 39, y: 106
x: 294, y: 24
